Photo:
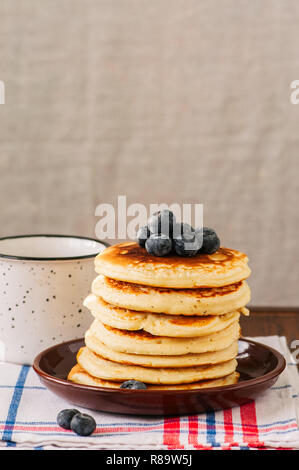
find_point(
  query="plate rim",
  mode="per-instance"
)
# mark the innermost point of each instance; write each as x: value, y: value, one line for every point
x: 281, y: 364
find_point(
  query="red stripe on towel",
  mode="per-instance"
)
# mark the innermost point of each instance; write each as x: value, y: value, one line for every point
x: 171, y: 433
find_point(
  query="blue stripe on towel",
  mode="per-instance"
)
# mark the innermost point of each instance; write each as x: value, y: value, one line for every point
x: 14, y: 405
x: 211, y: 428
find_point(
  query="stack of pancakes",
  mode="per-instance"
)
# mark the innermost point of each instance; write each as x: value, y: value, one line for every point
x: 169, y: 322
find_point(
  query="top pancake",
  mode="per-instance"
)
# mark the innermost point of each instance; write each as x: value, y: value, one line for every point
x: 129, y: 262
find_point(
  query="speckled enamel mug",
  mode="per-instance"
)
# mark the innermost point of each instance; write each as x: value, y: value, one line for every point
x: 43, y: 282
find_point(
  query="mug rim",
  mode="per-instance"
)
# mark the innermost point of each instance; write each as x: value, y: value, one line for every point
x: 62, y: 258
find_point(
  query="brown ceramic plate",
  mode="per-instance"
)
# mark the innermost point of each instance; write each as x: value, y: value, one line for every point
x: 259, y: 367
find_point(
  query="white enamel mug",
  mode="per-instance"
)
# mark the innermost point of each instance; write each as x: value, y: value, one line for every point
x: 43, y: 282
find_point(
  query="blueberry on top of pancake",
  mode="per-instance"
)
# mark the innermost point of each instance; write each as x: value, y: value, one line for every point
x: 163, y: 235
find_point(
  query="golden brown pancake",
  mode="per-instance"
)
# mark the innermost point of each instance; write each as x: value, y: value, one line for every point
x: 102, y: 368
x: 198, y: 301
x: 141, y: 342
x: 131, y: 263
x: 186, y: 360
x: 158, y: 324
x: 80, y: 376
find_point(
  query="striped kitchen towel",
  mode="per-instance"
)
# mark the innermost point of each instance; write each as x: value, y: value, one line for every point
x: 28, y: 418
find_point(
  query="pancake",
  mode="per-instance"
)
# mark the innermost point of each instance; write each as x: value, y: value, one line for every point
x: 80, y: 376
x: 141, y: 342
x: 200, y: 301
x: 129, y: 262
x: 99, y: 367
x: 155, y: 323
x: 187, y: 360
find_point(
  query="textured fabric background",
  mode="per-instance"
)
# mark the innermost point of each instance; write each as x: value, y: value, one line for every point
x: 163, y: 101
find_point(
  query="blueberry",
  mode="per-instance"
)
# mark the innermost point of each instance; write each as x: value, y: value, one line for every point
x: 133, y: 384
x: 162, y: 222
x: 187, y: 244
x: 158, y: 245
x: 210, y: 240
x: 181, y: 228
x: 142, y: 235
x: 65, y: 417
x: 83, y: 424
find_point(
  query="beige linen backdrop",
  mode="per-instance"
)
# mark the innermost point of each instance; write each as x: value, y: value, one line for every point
x: 162, y: 101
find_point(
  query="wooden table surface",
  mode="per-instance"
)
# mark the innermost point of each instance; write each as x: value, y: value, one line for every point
x: 272, y: 321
